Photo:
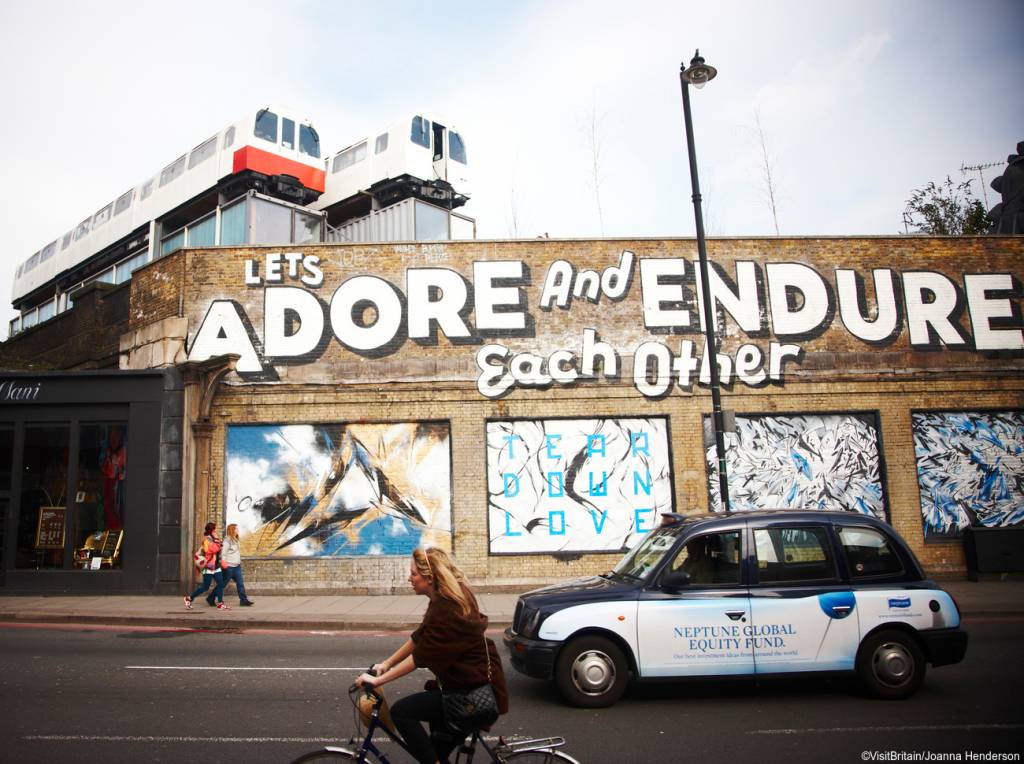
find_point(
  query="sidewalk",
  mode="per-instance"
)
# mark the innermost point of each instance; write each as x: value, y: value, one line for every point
x: 984, y: 599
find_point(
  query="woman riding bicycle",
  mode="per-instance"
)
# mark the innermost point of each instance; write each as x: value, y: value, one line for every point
x: 450, y: 642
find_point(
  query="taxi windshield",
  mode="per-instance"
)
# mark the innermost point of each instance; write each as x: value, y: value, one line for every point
x: 645, y: 556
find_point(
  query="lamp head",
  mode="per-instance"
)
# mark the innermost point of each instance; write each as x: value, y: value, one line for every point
x: 698, y: 73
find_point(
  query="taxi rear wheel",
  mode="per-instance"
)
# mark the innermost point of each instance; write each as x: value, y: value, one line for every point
x: 890, y: 665
x: 591, y: 672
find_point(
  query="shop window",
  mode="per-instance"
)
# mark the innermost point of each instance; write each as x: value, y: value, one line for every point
x: 234, y: 224
x: 172, y: 242
x: 42, y: 510
x: 203, y: 233
x: 126, y: 268
x: 307, y: 228
x: 6, y: 455
x: 99, y: 500
x: 272, y: 223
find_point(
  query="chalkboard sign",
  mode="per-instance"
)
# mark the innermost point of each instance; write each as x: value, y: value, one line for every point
x: 50, y: 530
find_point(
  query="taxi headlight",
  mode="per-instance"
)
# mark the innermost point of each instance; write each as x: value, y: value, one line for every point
x: 531, y: 624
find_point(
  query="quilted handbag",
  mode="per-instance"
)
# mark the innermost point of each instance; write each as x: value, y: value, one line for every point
x: 469, y: 710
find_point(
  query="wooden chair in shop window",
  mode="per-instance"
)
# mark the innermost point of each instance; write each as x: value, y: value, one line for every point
x: 105, y: 545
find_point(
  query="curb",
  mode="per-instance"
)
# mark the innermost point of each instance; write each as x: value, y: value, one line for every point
x: 205, y: 623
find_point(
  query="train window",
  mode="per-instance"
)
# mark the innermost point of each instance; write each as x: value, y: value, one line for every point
x: 83, y: 228
x: 147, y: 189
x: 349, y: 157
x: 229, y: 136
x: 32, y: 262
x: 172, y: 171
x: 309, y: 141
x: 266, y: 126
x: 101, y: 217
x: 287, y: 133
x: 438, y: 142
x: 381, y: 144
x: 202, y: 152
x: 17, y: 273
x: 421, y: 131
x: 124, y: 201
x: 47, y: 251
x: 66, y: 240
x: 456, y: 148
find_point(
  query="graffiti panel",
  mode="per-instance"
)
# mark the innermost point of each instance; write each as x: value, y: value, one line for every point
x: 326, y: 490
x: 800, y: 461
x: 575, y: 485
x: 969, y: 470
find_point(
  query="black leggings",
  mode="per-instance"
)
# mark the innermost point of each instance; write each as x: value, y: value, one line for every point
x: 408, y: 712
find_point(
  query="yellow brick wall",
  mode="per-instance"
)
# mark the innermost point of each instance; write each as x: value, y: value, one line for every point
x: 422, y: 382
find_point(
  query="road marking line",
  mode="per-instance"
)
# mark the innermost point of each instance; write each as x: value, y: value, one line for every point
x: 906, y: 728
x: 196, y: 739
x: 248, y: 668
x: 175, y: 739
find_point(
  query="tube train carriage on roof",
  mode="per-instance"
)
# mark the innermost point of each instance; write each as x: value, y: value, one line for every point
x: 418, y: 157
x: 192, y: 201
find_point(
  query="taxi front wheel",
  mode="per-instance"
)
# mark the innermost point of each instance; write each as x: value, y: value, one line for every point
x: 890, y: 665
x: 591, y: 672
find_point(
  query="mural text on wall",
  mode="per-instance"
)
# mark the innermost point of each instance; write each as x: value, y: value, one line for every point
x: 575, y: 485
x: 765, y: 313
x: 800, y: 461
x: 969, y: 470
x: 324, y: 490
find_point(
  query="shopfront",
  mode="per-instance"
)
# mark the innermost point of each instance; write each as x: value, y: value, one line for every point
x: 81, y: 456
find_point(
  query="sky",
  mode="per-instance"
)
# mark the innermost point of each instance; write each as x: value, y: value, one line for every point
x: 571, y: 111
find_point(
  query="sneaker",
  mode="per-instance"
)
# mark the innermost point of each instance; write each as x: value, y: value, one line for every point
x: 210, y: 602
x: 188, y: 602
x: 222, y: 606
x: 246, y: 603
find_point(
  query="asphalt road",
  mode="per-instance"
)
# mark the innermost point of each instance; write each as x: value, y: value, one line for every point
x: 116, y: 694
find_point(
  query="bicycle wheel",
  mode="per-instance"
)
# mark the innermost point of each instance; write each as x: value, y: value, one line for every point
x: 540, y: 757
x: 326, y: 754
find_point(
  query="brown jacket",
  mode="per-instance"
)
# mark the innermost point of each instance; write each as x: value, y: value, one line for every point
x: 452, y: 646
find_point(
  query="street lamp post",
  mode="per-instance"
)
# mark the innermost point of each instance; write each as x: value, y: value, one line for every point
x: 699, y: 74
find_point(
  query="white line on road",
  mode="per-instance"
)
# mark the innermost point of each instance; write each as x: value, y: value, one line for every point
x: 905, y: 728
x: 248, y: 668
x: 174, y: 739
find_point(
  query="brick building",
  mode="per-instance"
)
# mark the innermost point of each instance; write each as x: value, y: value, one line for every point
x: 534, y: 405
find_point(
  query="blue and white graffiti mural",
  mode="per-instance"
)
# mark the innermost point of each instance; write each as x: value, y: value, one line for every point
x: 800, y: 461
x: 575, y: 485
x: 324, y: 490
x: 969, y: 470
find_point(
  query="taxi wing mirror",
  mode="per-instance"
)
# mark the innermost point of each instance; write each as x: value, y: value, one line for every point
x: 675, y: 579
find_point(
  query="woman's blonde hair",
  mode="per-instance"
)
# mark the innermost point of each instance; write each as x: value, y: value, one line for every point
x: 231, y: 531
x: 449, y: 582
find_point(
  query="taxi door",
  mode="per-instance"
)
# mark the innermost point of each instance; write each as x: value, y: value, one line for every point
x: 697, y: 629
x: 802, y: 616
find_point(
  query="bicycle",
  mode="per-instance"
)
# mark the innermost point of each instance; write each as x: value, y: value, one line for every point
x: 539, y: 751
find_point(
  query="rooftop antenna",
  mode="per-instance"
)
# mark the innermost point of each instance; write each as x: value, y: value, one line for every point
x: 978, y: 168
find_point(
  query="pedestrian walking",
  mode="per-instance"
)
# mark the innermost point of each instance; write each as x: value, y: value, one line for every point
x: 231, y: 563
x: 211, y: 571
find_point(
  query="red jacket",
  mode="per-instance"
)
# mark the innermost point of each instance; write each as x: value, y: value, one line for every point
x: 211, y: 550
